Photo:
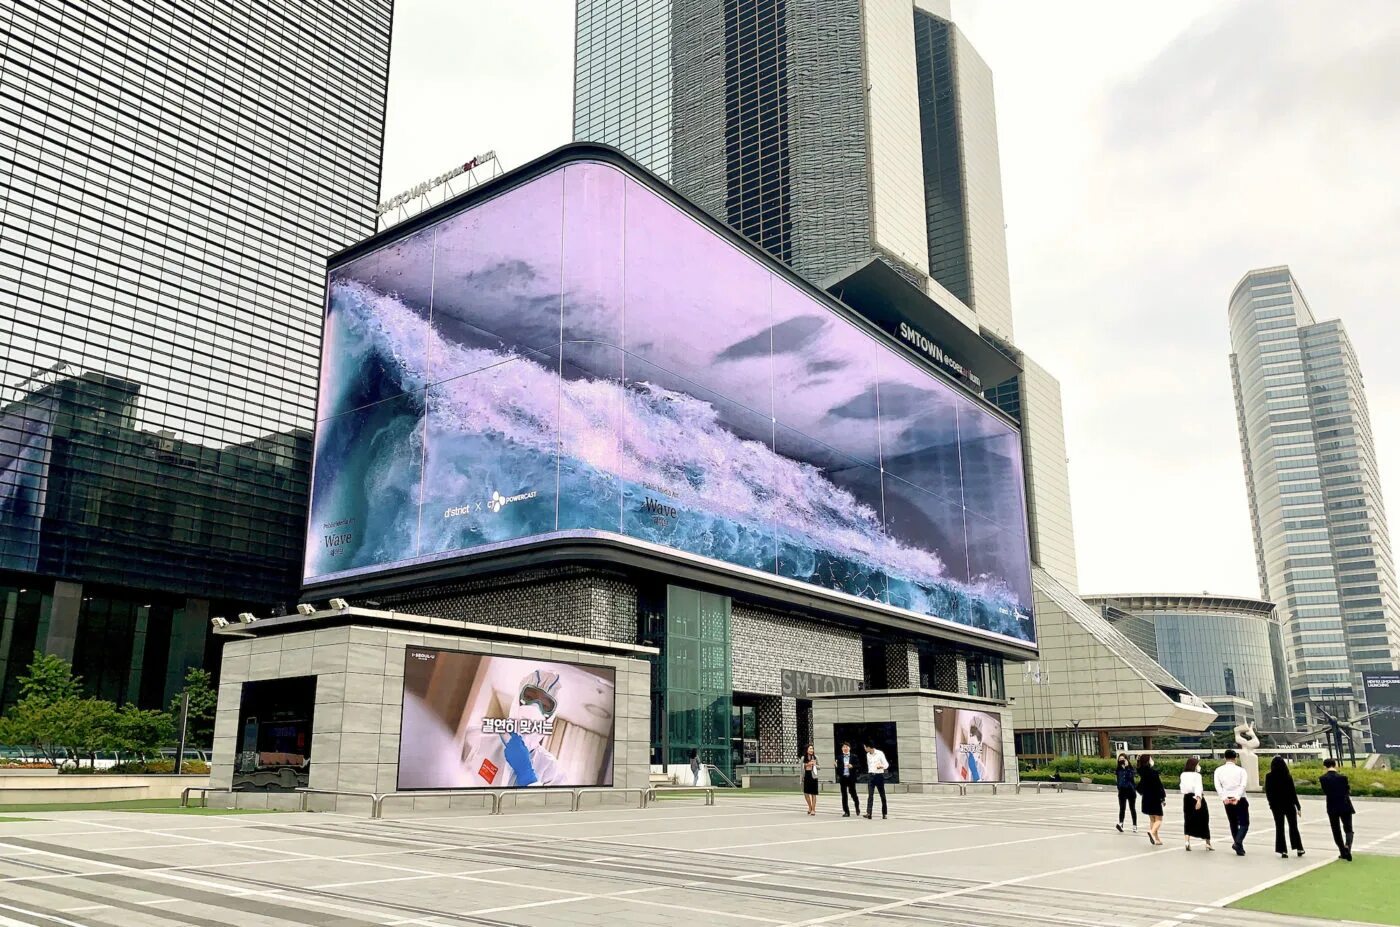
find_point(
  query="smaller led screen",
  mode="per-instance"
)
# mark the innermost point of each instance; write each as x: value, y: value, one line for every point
x: 969, y: 745
x: 477, y: 721
x: 1383, y: 702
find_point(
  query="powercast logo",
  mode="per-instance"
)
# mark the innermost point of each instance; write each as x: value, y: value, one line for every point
x: 499, y: 501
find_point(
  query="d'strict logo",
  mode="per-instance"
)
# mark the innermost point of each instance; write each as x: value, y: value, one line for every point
x: 495, y: 504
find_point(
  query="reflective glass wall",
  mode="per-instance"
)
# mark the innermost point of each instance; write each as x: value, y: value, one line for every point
x: 578, y: 354
x: 173, y: 178
x: 1228, y: 655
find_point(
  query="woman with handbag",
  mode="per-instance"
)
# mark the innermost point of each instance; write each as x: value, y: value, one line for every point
x: 1194, y: 807
x: 810, y: 786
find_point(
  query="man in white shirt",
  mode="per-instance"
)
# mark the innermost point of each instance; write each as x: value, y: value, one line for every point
x: 1230, y: 781
x: 876, y: 763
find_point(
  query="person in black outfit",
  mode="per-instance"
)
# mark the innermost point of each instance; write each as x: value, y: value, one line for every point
x: 1127, y: 791
x: 811, y: 785
x: 847, y: 772
x: 1154, y: 797
x: 1339, y: 809
x: 1283, y: 802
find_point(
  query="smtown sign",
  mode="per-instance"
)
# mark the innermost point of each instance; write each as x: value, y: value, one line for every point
x: 579, y: 356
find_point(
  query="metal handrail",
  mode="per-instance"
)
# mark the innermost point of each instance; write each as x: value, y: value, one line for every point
x: 709, y: 790
x: 203, y: 791
x: 579, y: 793
x: 715, y: 769
x: 494, y: 795
x: 374, y: 797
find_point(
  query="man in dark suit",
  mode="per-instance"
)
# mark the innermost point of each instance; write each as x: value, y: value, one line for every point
x: 1339, y: 809
x: 847, y: 772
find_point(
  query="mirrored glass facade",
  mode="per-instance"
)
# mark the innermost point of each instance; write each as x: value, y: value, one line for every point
x: 172, y: 177
x: 622, y: 78
x: 1320, y: 536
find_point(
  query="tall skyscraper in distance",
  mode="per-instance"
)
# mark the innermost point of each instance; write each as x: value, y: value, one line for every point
x: 1320, y: 535
x: 174, y: 176
x: 837, y: 133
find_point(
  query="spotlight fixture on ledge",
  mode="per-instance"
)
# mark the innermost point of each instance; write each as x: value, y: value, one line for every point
x: 247, y: 617
x: 304, y: 609
x: 217, y: 623
x: 340, y: 604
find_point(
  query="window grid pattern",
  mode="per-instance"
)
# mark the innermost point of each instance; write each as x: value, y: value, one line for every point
x: 1314, y: 492
x: 622, y: 78
x: 174, y: 174
x: 759, y: 199
x: 944, y: 197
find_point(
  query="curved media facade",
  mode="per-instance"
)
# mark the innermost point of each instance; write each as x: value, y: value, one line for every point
x: 579, y: 355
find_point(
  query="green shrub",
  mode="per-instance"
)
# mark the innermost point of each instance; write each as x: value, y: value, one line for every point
x: 160, y: 767
x: 1305, y: 775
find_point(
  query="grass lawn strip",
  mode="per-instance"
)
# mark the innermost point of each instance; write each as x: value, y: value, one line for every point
x: 1364, y: 890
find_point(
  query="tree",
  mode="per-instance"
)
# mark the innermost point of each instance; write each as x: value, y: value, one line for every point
x: 204, y: 702
x: 49, y: 679
x: 139, y: 732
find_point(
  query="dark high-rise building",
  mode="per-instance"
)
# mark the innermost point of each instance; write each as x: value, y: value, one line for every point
x: 174, y: 175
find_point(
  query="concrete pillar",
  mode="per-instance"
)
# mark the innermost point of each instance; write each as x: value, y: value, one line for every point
x: 962, y: 674
x: 63, y: 619
x: 1105, y: 748
x: 1147, y: 743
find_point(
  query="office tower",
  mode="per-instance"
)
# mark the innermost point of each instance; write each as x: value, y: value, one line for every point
x: 836, y: 134
x: 174, y: 176
x: 1320, y: 535
x: 622, y: 78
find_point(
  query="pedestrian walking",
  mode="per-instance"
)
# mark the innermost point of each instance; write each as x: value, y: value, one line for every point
x: 1230, y: 783
x: 877, y: 765
x: 694, y: 767
x: 1193, y: 805
x: 810, y: 785
x: 1127, y: 791
x: 1339, y: 808
x: 1283, y: 802
x: 1153, y: 795
x: 847, y: 772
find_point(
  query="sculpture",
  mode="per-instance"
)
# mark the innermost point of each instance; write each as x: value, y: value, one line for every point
x: 1248, y: 743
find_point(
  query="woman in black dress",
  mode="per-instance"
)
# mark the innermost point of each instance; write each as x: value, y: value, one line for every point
x: 1193, y: 804
x: 1153, y: 796
x: 809, y: 778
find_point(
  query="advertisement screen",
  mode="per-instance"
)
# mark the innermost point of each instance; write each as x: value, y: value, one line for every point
x: 578, y: 356
x: 1383, y: 702
x: 477, y: 721
x: 969, y: 745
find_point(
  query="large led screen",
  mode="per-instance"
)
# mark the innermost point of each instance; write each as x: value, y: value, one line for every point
x: 579, y: 356
x: 968, y: 745
x: 1383, y: 703
x: 476, y: 721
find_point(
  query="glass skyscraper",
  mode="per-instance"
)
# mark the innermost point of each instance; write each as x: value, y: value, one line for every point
x: 174, y: 175
x: 622, y: 78
x: 1320, y: 535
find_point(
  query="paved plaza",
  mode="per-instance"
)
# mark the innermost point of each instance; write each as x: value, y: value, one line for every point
x: 1005, y: 860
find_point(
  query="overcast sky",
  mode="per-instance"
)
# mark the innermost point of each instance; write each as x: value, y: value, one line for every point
x: 1150, y: 154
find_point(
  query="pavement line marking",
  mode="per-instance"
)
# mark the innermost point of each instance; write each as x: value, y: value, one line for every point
x: 849, y: 836
x: 39, y: 914
x: 411, y: 878
x: 935, y: 896
x: 706, y: 911
x: 980, y: 846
